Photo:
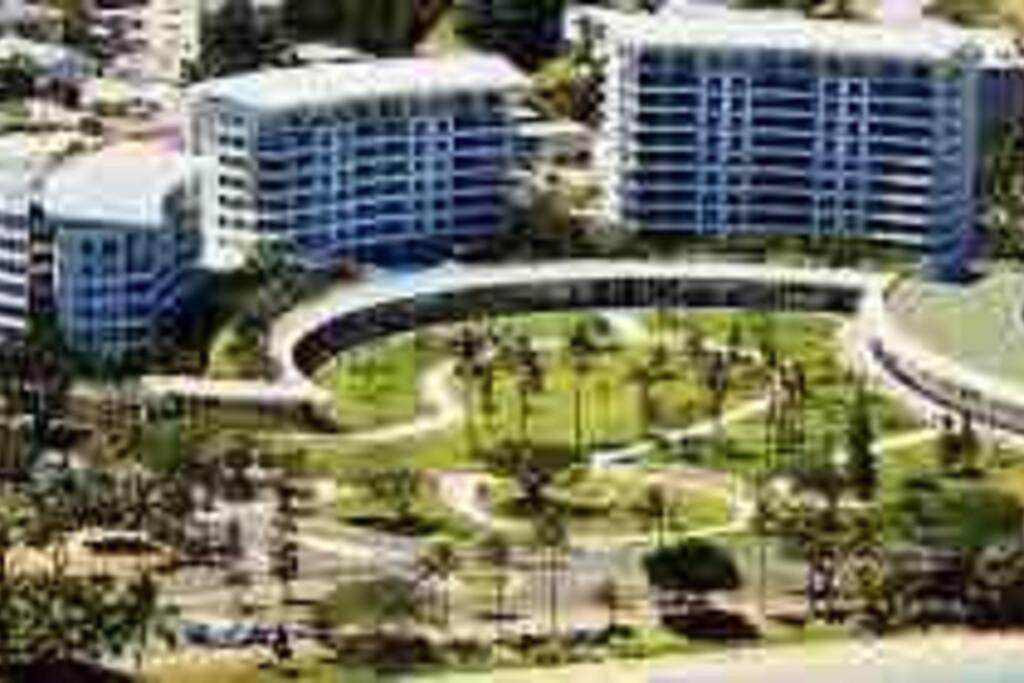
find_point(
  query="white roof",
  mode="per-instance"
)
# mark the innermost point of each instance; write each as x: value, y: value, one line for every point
x: 25, y: 158
x: 253, y: 392
x: 326, y: 84
x: 121, y: 185
x: 44, y: 54
x: 778, y: 31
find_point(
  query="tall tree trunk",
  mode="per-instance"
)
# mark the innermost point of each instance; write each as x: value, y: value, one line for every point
x: 552, y: 572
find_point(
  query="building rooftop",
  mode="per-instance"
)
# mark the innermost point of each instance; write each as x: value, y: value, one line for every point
x: 738, y: 29
x: 979, y: 325
x: 325, y: 84
x: 51, y: 58
x: 25, y: 159
x: 126, y: 184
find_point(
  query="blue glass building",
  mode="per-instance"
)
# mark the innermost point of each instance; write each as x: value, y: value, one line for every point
x: 718, y: 124
x: 125, y: 242
x: 368, y: 160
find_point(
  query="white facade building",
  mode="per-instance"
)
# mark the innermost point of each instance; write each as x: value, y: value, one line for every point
x: 380, y: 159
x: 172, y: 29
x: 28, y: 15
x: 24, y: 246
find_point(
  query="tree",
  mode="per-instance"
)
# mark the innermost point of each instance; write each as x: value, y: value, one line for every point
x: 495, y: 551
x: 965, y: 12
x: 75, y: 20
x: 656, y: 507
x: 861, y: 461
x: 958, y: 448
x: 18, y: 76
x: 377, y: 604
x: 533, y: 467
x: 146, y: 617
x: 231, y: 39
x: 1002, y: 216
x: 581, y: 349
x: 468, y: 348
x: 551, y: 536
x: 996, y: 589
x: 956, y: 515
x: 641, y: 377
x: 527, y: 32
x: 398, y: 488
x: 530, y: 380
x: 236, y: 575
x: 690, y: 570
x: 49, y: 614
x: 438, y: 563
x: 610, y: 595
x: 283, y: 547
x: 717, y: 378
x: 734, y: 340
x: 380, y: 27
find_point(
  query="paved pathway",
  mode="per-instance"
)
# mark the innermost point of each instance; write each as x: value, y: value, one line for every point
x: 443, y: 409
x: 627, y: 325
x: 943, y: 658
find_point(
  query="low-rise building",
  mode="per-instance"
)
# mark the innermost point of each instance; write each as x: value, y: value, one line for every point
x: 53, y: 64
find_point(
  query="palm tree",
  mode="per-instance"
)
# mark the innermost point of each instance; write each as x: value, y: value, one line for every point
x: 640, y: 378
x: 438, y: 563
x: 236, y: 576
x: 717, y: 377
x: 861, y: 461
x: 695, y: 344
x: 530, y: 380
x: 467, y: 347
x: 551, y: 536
x: 610, y: 595
x: 581, y: 349
x: 656, y: 508
x: 147, y: 617
x: 284, y: 549
x: 496, y: 552
x: 734, y: 340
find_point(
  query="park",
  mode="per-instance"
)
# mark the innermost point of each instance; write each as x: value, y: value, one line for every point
x: 548, y: 474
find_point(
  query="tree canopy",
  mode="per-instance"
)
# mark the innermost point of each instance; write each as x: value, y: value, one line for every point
x: 692, y: 567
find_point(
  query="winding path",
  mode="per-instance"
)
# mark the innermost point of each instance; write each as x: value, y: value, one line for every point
x: 443, y: 410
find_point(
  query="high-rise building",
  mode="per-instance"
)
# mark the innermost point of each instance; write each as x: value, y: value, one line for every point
x: 26, y: 241
x: 375, y: 159
x: 724, y: 123
x: 172, y: 30
x: 123, y: 225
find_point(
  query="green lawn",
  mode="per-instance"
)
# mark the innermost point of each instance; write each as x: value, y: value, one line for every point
x: 794, y: 334
x: 378, y: 384
x: 610, y: 504
x: 231, y: 356
x: 429, y: 516
x: 558, y: 324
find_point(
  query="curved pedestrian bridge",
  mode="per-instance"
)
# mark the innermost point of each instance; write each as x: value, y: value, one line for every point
x: 352, y: 315
x: 953, y: 347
